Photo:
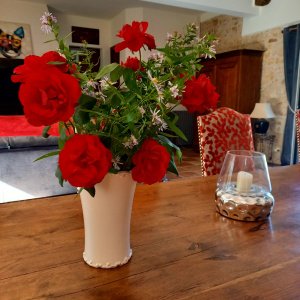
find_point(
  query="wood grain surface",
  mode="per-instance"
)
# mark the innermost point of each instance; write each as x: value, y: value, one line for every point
x: 182, y: 248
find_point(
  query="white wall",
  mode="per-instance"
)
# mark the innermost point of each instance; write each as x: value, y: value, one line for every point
x: 167, y: 20
x: 27, y: 13
x: 279, y: 13
x: 125, y: 17
x: 67, y: 21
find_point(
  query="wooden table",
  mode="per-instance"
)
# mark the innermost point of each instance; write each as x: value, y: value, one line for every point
x: 182, y: 249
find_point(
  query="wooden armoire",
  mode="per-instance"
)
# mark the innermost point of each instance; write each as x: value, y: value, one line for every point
x: 237, y: 77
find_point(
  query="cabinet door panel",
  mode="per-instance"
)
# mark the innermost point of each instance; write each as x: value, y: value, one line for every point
x: 209, y: 69
x: 227, y: 81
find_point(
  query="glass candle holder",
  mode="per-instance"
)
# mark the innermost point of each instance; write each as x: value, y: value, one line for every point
x: 244, y: 188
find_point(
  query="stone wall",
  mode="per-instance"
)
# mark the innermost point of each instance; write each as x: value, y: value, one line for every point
x: 228, y: 31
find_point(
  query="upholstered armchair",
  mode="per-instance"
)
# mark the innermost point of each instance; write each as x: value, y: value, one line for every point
x: 222, y: 130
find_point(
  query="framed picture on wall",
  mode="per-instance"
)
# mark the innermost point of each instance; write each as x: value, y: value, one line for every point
x: 83, y: 34
x: 15, y: 40
x: 96, y: 57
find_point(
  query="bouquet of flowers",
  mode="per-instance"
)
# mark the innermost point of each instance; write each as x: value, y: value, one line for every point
x: 119, y: 118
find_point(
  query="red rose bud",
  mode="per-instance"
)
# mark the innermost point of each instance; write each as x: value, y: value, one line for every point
x: 131, y: 63
x: 84, y: 160
x: 151, y: 162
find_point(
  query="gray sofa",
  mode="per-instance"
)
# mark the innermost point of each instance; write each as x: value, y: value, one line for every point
x: 20, y: 177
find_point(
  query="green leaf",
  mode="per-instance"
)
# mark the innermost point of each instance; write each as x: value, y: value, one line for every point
x: 176, y: 130
x: 57, y: 63
x: 164, y: 140
x: 86, y: 102
x: 130, y: 79
x: 166, y: 134
x: 61, y: 45
x: 106, y: 70
x: 116, y: 73
x: 131, y: 117
x: 116, y: 100
x: 63, y: 136
x: 59, y: 176
x: 47, y: 155
x: 172, y: 167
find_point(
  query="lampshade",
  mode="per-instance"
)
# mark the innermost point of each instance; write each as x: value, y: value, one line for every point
x: 262, y: 111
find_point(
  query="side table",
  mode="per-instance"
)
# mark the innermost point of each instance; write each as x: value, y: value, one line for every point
x: 264, y: 143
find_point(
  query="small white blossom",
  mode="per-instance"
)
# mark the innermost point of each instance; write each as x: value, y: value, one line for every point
x: 169, y: 37
x: 156, y: 120
x: 47, y: 19
x: 157, y: 56
x: 104, y: 83
x: 92, y: 83
x: 163, y: 126
x: 116, y: 161
x: 157, y: 86
x: 87, y: 91
x: 212, y: 48
x: 141, y: 110
x: 174, y: 91
x: 131, y: 142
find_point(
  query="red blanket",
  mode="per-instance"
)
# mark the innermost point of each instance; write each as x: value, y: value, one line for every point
x: 18, y: 126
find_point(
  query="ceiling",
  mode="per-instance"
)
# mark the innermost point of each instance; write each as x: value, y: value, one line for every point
x: 106, y: 9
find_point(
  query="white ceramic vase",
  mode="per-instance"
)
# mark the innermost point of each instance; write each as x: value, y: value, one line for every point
x: 107, y: 221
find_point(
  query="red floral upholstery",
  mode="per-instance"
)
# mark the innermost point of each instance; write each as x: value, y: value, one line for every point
x: 298, y: 131
x: 222, y: 130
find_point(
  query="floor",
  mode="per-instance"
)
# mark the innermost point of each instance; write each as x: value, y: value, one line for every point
x: 189, y: 167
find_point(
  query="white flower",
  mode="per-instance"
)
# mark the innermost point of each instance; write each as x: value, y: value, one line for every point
x: 141, y: 110
x: 156, y: 120
x: 131, y: 142
x: 92, y: 83
x: 169, y: 37
x: 174, y: 91
x: 116, y: 161
x: 86, y: 91
x: 104, y: 83
x: 156, y: 55
x: 158, y: 87
x: 163, y: 126
x: 47, y: 19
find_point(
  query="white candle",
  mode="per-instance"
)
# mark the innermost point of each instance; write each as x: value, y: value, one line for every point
x: 244, y: 182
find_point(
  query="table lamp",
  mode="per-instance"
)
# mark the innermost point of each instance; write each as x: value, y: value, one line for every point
x: 262, y: 112
x: 244, y: 187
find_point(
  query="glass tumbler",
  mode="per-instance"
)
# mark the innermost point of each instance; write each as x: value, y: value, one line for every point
x: 244, y: 188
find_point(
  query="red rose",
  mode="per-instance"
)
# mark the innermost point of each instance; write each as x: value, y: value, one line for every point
x: 53, y: 56
x: 135, y: 37
x: 200, y: 95
x: 151, y: 162
x: 49, y: 96
x: 34, y: 63
x: 84, y: 160
x: 131, y: 63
